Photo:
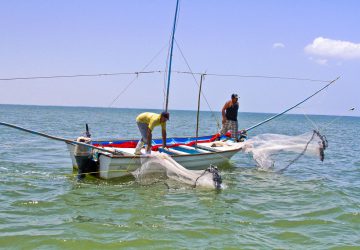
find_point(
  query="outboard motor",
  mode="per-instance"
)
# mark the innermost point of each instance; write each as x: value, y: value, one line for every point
x: 242, y: 135
x: 83, y: 155
x: 87, y: 132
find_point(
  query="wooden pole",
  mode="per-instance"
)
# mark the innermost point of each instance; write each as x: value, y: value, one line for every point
x: 273, y: 117
x: 198, y: 109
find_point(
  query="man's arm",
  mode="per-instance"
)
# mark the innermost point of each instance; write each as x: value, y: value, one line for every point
x: 223, y: 112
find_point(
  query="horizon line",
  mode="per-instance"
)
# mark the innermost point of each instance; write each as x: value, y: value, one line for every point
x: 100, y: 107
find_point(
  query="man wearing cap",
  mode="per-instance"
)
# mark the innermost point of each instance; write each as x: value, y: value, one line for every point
x: 229, y: 117
x: 147, y: 122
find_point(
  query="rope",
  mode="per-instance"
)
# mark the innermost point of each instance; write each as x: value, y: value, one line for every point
x: 199, y: 177
x: 202, y: 94
x: 326, y: 126
x: 78, y: 75
x: 136, y: 77
x: 324, y: 145
x: 216, y: 176
x: 161, y: 71
x: 257, y: 76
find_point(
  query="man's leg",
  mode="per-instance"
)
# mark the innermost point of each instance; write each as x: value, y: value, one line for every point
x: 139, y: 146
x: 225, y: 128
x: 143, y: 131
x: 234, y: 130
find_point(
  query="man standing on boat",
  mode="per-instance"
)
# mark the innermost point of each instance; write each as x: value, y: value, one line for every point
x: 229, y: 117
x: 147, y: 122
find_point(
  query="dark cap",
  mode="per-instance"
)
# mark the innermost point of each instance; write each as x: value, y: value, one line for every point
x: 234, y: 96
x: 165, y: 114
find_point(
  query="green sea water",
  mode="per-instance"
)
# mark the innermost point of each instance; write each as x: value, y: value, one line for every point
x: 312, y: 205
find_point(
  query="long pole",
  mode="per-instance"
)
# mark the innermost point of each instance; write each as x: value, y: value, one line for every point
x: 198, y: 109
x: 56, y: 138
x: 273, y: 117
x: 170, y: 57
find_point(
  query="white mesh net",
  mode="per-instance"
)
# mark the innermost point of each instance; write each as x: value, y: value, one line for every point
x: 265, y: 147
x: 161, y: 167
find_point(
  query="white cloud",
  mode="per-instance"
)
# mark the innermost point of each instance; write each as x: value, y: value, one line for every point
x: 326, y: 47
x: 278, y: 45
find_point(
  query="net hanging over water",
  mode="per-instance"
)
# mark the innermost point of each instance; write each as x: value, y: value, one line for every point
x: 266, y: 147
x: 265, y: 150
x: 161, y: 167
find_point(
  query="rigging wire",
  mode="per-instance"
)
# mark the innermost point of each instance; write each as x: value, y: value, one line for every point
x: 311, y: 122
x: 77, y: 75
x: 258, y: 76
x: 160, y: 71
x: 326, y: 126
x: 136, y: 77
x: 193, y: 75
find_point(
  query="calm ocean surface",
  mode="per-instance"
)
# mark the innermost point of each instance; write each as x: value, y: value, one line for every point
x: 312, y: 205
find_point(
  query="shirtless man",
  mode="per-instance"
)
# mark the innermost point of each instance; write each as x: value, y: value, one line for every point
x: 229, y: 117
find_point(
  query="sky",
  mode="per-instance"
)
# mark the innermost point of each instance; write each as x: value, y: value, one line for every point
x: 312, y: 39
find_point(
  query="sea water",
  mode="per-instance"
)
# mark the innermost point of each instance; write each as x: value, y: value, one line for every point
x: 312, y: 205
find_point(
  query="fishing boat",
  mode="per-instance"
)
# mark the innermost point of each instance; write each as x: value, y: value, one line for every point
x: 191, y: 152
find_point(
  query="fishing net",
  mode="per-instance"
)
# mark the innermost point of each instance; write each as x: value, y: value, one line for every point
x: 266, y: 148
x: 159, y: 167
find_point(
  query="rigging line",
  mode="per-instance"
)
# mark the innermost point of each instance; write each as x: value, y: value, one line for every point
x: 301, y: 154
x: 78, y: 75
x: 287, y: 110
x: 326, y: 126
x: 136, y: 77
x: 311, y: 122
x: 193, y: 75
x: 257, y: 76
x: 156, y: 71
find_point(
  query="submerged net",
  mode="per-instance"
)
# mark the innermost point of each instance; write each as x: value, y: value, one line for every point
x: 159, y: 167
x: 266, y: 147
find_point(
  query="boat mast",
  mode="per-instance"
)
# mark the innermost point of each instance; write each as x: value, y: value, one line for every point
x: 170, y: 57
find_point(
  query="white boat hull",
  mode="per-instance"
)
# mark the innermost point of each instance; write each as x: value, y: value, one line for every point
x: 114, y: 166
